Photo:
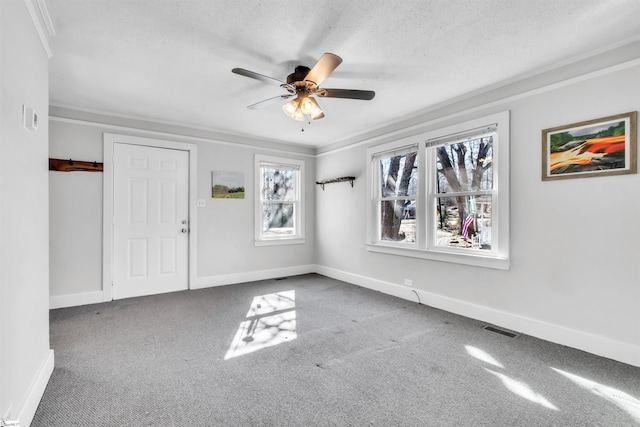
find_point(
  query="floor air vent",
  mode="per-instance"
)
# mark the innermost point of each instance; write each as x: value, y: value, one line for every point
x: 500, y: 331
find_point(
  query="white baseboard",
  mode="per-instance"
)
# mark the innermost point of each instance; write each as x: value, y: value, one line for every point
x: 36, y: 391
x: 250, y: 276
x: 592, y: 343
x: 72, y: 300
x: 84, y: 298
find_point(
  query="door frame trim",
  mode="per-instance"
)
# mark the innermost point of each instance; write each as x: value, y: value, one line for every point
x: 107, y: 205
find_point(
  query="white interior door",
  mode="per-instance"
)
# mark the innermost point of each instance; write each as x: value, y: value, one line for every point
x: 150, y: 220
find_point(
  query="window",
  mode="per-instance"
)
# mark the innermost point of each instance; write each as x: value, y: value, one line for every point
x: 279, y: 201
x: 396, y: 190
x: 444, y: 194
x: 464, y: 190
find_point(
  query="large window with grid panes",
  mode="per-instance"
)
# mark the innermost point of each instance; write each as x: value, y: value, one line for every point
x: 443, y: 194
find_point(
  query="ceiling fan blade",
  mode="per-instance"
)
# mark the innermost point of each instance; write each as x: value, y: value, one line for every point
x: 263, y: 78
x: 325, y: 66
x: 269, y: 101
x: 366, y: 95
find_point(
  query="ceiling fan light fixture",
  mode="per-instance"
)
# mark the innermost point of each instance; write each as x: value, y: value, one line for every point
x: 291, y: 107
x: 310, y: 107
x: 298, y: 115
x: 306, y: 104
x: 301, y: 106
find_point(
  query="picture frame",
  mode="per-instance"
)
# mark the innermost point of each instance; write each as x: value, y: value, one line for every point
x: 598, y: 147
x: 227, y: 185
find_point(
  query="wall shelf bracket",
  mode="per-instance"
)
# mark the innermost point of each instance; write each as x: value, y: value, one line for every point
x: 341, y: 179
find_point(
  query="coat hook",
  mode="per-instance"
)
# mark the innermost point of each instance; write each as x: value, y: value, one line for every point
x: 95, y: 164
x: 70, y: 162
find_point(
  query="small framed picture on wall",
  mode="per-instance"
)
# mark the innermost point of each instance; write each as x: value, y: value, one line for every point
x: 227, y: 185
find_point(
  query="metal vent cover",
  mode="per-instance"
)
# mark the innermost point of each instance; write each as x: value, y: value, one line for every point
x: 500, y: 331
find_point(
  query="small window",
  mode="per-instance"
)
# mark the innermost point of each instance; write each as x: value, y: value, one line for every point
x: 443, y: 194
x: 279, y: 184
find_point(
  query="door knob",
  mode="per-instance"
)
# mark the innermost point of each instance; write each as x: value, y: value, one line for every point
x: 184, y: 230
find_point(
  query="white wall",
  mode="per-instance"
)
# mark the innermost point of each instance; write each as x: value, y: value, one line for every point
x: 226, y: 252
x: 574, y: 243
x: 226, y: 227
x: 75, y: 215
x: 26, y: 362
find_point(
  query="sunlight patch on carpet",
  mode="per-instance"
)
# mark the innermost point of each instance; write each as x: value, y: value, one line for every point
x: 271, y: 320
x: 624, y: 401
x: 270, y: 303
x: 523, y: 390
x: 482, y: 355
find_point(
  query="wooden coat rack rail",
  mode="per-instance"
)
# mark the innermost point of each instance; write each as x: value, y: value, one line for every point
x: 70, y: 165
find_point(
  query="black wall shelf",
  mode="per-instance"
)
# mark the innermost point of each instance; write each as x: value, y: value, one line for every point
x: 341, y: 179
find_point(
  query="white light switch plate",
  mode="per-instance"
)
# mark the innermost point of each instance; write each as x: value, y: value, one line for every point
x: 201, y: 203
x: 29, y: 118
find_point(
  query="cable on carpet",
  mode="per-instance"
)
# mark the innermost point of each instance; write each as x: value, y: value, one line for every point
x: 419, y: 301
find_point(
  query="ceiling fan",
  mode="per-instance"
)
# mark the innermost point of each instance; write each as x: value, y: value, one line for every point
x: 303, y: 83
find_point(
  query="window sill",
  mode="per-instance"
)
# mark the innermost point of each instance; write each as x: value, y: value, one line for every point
x: 456, y: 258
x: 275, y: 242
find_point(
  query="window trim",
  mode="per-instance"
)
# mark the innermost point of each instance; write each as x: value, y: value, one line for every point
x: 299, y: 236
x: 423, y: 248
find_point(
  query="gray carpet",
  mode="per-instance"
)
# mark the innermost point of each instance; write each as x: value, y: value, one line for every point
x: 327, y: 354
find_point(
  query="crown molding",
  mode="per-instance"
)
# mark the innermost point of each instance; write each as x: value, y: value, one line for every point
x: 622, y: 55
x: 42, y: 22
x: 144, y: 127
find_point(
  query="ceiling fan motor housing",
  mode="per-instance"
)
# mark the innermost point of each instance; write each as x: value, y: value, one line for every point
x: 298, y: 75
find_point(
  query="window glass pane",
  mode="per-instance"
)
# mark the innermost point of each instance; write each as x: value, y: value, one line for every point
x: 464, y: 222
x: 398, y: 220
x: 278, y: 184
x: 399, y: 175
x: 465, y: 166
x: 277, y: 219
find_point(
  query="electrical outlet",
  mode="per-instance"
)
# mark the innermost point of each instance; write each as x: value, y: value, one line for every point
x: 408, y: 282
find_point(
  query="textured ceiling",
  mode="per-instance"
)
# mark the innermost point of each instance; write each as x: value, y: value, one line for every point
x: 171, y: 60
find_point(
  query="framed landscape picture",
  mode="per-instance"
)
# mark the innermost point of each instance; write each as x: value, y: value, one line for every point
x: 227, y: 185
x: 605, y: 146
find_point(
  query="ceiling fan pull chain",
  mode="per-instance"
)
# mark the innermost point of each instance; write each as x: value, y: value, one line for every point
x: 302, y: 130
